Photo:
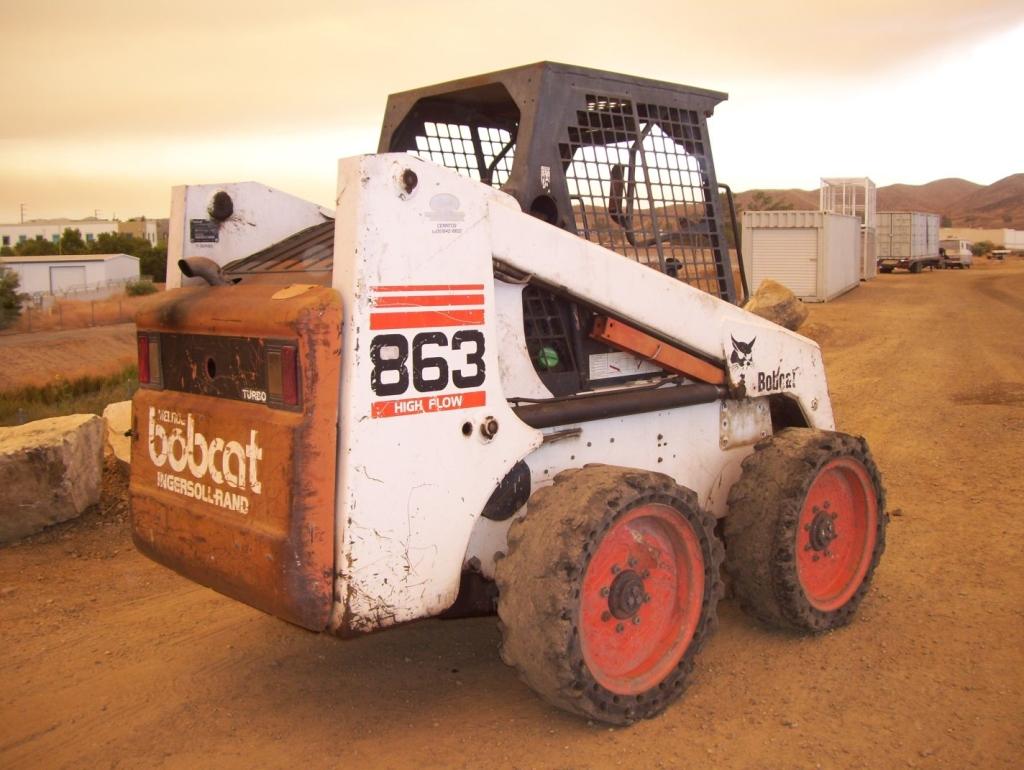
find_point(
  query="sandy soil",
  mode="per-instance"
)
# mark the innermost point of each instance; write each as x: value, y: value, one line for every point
x: 111, y: 661
x: 40, y: 357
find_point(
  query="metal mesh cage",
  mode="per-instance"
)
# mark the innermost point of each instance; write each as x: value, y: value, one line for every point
x: 483, y: 153
x: 622, y: 161
x: 636, y: 177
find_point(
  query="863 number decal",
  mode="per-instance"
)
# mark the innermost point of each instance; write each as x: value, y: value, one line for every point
x: 437, y: 362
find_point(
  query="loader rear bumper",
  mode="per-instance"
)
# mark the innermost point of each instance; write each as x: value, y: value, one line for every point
x: 240, y: 496
x: 258, y: 545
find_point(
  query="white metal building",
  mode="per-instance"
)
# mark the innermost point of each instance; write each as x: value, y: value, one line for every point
x: 68, y: 274
x: 1004, y: 238
x: 814, y: 254
x: 52, y: 229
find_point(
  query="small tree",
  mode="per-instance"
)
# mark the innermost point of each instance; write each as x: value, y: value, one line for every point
x: 36, y: 247
x: 71, y: 242
x: 152, y: 259
x: 759, y: 201
x: 118, y: 243
x: 981, y: 248
x: 153, y: 262
x: 762, y: 201
x: 10, y: 298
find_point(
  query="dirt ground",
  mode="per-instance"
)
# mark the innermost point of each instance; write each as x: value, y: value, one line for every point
x: 110, y: 661
x: 40, y: 357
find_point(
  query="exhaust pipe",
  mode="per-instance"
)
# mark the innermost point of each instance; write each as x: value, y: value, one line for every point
x: 205, y: 268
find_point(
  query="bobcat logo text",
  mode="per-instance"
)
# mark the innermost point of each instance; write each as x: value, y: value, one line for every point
x: 223, y: 462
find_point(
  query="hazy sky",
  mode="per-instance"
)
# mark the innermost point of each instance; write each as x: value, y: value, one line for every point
x: 106, y: 104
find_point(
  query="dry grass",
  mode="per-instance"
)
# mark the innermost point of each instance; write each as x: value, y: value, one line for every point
x: 83, y: 395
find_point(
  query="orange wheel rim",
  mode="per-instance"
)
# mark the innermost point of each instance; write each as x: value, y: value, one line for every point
x: 641, y: 599
x: 837, y: 534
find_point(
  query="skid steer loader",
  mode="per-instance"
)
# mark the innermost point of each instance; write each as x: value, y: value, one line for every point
x: 507, y: 370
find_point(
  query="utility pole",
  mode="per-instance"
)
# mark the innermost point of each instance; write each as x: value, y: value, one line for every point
x: 22, y: 205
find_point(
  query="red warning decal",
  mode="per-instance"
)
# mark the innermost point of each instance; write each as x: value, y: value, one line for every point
x: 405, y: 406
x: 424, y: 307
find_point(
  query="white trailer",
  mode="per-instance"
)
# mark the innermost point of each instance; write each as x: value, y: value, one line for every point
x: 908, y: 240
x: 956, y: 252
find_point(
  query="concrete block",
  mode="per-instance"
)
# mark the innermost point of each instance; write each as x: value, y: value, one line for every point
x: 775, y: 302
x: 118, y: 417
x: 50, y: 471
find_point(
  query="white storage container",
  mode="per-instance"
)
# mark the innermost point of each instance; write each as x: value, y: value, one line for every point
x: 907, y: 234
x: 814, y: 254
x: 868, y: 253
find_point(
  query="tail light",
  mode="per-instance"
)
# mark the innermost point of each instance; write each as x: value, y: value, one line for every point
x: 283, y: 375
x: 149, y: 359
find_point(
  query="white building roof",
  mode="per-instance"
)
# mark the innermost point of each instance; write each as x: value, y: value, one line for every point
x: 60, y: 221
x: 63, y: 258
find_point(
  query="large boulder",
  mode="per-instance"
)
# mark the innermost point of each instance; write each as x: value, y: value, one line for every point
x: 50, y: 471
x: 118, y: 417
x: 775, y: 302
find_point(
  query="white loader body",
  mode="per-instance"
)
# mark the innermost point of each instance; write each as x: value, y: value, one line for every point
x: 411, y: 485
x: 434, y: 357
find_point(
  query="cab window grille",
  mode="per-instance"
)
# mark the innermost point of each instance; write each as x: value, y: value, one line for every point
x: 482, y: 153
x: 448, y: 145
x: 637, y: 178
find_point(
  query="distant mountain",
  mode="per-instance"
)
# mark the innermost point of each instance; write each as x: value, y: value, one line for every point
x: 937, y: 197
x: 966, y: 204
x: 1001, y: 204
x: 800, y: 200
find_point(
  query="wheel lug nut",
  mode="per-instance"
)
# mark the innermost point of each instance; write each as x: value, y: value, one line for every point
x: 636, y: 620
x: 605, y: 591
x: 815, y: 557
x: 619, y: 628
x: 647, y: 598
x: 807, y: 547
x: 632, y: 561
x: 826, y: 504
x: 606, y: 616
x: 616, y: 569
x: 645, y: 574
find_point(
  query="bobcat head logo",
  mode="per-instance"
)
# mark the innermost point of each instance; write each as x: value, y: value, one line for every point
x: 742, y: 352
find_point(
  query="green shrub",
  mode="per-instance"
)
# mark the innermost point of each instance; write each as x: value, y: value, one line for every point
x: 10, y: 297
x: 139, y: 288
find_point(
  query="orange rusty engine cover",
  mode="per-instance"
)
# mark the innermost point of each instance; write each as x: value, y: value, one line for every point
x: 229, y: 487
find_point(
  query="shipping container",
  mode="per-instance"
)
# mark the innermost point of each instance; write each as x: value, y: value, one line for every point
x: 814, y: 254
x: 908, y: 240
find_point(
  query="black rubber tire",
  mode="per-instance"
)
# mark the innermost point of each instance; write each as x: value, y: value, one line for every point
x: 916, y: 267
x: 885, y: 269
x: 539, y: 584
x: 761, y: 527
